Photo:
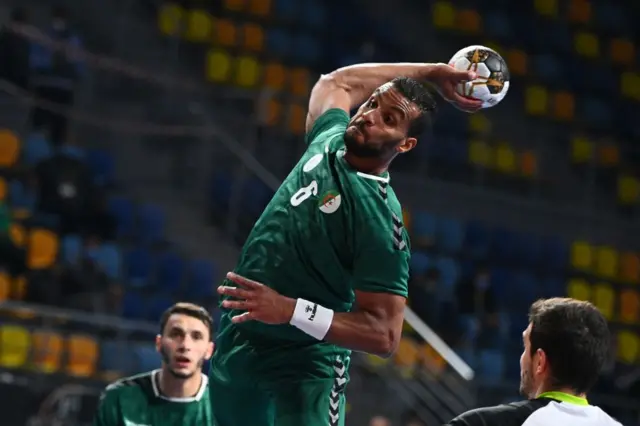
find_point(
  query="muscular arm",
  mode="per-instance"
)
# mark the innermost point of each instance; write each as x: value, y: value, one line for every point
x: 348, y: 87
x: 375, y: 325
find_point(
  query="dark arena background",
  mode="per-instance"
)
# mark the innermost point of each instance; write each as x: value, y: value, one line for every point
x: 140, y: 140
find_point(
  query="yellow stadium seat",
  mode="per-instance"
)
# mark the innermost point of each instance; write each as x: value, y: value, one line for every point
x: 586, y: 44
x: 297, y: 118
x: 299, y: 82
x: 517, y: 61
x: 630, y: 85
x: 218, y: 65
x: 18, y: 234
x: 260, y: 7
x: 225, y: 33
x: 603, y: 296
x: 579, y: 289
x: 374, y: 361
x: 607, y: 262
x: 529, y: 163
x: 546, y: 8
x: 505, y: 158
x: 235, y: 5
x: 444, y: 15
x: 581, y: 150
x: 581, y: 255
x: 480, y: 153
x: 431, y: 359
x: 247, y: 71
x: 536, y: 100
x: 14, y: 346
x: 628, y: 347
x: 3, y: 189
x: 479, y: 124
x: 252, y: 37
x: 9, y: 148
x: 563, y: 106
x: 608, y: 154
x: 82, y: 356
x: 43, y: 249
x: 579, y: 11
x: 628, y: 189
x: 630, y: 267
x: 274, y: 76
x: 622, y: 51
x: 46, y: 352
x: 199, y: 25
x: 274, y: 113
x: 629, y: 307
x: 170, y: 19
x: 5, y: 287
x: 407, y: 356
x: 468, y: 21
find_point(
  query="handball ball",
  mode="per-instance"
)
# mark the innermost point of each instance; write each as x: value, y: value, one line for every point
x: 492, y: 81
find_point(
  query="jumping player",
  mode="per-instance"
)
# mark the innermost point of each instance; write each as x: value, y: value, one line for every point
x: 175, y: 395
x: 324, y: 270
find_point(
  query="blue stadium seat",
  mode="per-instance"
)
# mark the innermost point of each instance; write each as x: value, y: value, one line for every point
x: 258, y: 195
x: 423, y: 225
x: 477, y: 238
x: 528, y: 249
x: 314, y: 14
x: 138, y: 263
x: 133, y: 305
x: 201, y: 279
x: 611, y: 18
x: 524, y: 290
x: 491, y: 366
x: 72, y: 151
x: 306, y: 50
x: 596, y: 113
x: 71, y: 249
x: 497, y: 25
x: 221, y: 190
x: 35, y: 149
x: 555, y: 254
x: 108, y: 257
x: 553, y: 287
x: 501, y: 281
x: 21, y: 198
x: 171, y: 268
x: 156, y: 305
x: 450, y: 235
x: 122, y: 209
x: 420, y: 262
x: 116, y: 356
x: 151, y: 222
x: 548, y: 69
x: 102, y: 166
x: 286, y: 9
x: 449, y: 276
x: 146, y: 357
x: 503, y: 245
x: 278, y: 42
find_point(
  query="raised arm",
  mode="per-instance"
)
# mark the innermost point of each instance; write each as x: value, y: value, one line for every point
x: 348, y: 87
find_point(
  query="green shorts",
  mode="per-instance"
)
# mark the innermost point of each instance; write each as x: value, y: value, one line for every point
x: 253, y: 383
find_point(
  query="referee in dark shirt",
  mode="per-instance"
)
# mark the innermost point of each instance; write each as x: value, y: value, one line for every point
x: 565, y: 347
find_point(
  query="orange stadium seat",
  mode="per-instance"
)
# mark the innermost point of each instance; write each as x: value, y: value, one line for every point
x: 579, y: 289
x: 622, y: 51
x: 581, y: 256
x: 5, y: 287
x: 297, y: 118
x: 630, y: 267
x: 299, y: 81
x: 246, y: 71
x: 225, y: 33
x: 563, y: 106
x: 170, y: 19
x: 82, y: 355
x: 46, y: 352
x: 260, y: 7
x: 431, y: 359
x: 407, y: 356
x: 444, y: 15
x: 505, y: 159
x: 14, y: 346
x: 3, y: 189
x: 218, y: 66
x: 252, y: 37
x: 274, y: 113
x: 274, y: 76
x: 628, y: 347
x: 628, y: 190
x: 199, y: 25
x: 43, y: 249
x: 529, y: 163
x: 603, y: 296
x: 586, y: 44
x: 606, y: 262
x: 19, y: 289
x: 9, y: 148
x: 517, y: 60
x: 546, y: 8
x: 235, y: 5
x: 536, y: 100
x: 608, y: 154
x: 629, y: 307
x: 18, y: 234
x: 469, y: 21
x: 579, y: 11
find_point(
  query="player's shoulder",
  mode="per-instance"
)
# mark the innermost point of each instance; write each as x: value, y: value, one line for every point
x: 330, y: 124
x: 374, y: 196
x: 137, y: 383
x: 512, y: 414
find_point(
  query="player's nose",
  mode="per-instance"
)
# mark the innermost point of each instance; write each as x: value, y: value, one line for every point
x: 369, y: 118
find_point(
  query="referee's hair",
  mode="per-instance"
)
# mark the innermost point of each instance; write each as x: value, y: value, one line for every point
x: 575, y: 337
x: 190, y: 310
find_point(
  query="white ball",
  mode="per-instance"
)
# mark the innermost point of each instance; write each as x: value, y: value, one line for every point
x: 492, y: 82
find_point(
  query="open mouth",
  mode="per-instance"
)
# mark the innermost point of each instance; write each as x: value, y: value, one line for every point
x: 182, y: 361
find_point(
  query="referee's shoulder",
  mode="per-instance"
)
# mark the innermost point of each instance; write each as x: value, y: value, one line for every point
x: 512, y: 414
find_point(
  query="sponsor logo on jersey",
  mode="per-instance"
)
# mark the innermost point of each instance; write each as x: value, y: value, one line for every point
x: 329, y: 202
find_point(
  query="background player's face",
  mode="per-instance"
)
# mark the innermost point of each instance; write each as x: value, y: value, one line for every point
x: 379, y: 128
x: 184, y: 345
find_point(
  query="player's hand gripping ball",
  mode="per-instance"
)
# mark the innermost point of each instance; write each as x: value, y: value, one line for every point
x: 492, y: 74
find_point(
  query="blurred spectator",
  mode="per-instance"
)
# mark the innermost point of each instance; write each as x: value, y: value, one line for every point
x: 478, y: 309
x: 99, y: 220
x: 14, y: 52
x: 55, y: 76
x: 424, y: 300
x: 379, y: 421
x: 11, y: 256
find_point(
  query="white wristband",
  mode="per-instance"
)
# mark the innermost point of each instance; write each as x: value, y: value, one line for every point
x: 313, y: 319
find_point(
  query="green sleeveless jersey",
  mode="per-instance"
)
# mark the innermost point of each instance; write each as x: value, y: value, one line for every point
x: 329, y: 230
x: 137, y: 401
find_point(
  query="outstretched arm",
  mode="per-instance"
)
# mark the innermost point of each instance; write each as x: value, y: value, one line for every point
x: 348, y: 87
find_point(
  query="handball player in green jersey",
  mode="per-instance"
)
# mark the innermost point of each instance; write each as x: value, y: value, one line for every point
x: 325, y: 268
x: 177, y: 394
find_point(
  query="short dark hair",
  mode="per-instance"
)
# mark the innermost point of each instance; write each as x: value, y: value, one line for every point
x: 191, y: 310
x: 417, y: 93
x: 575, y: 338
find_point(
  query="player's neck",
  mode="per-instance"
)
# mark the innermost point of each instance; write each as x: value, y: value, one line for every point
x: 173, y: 387
x: 548, y: 389
x: 371, y: 166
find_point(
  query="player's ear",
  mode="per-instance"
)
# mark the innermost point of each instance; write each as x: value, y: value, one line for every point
x: 209, y: 352
x: 407, y: 145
